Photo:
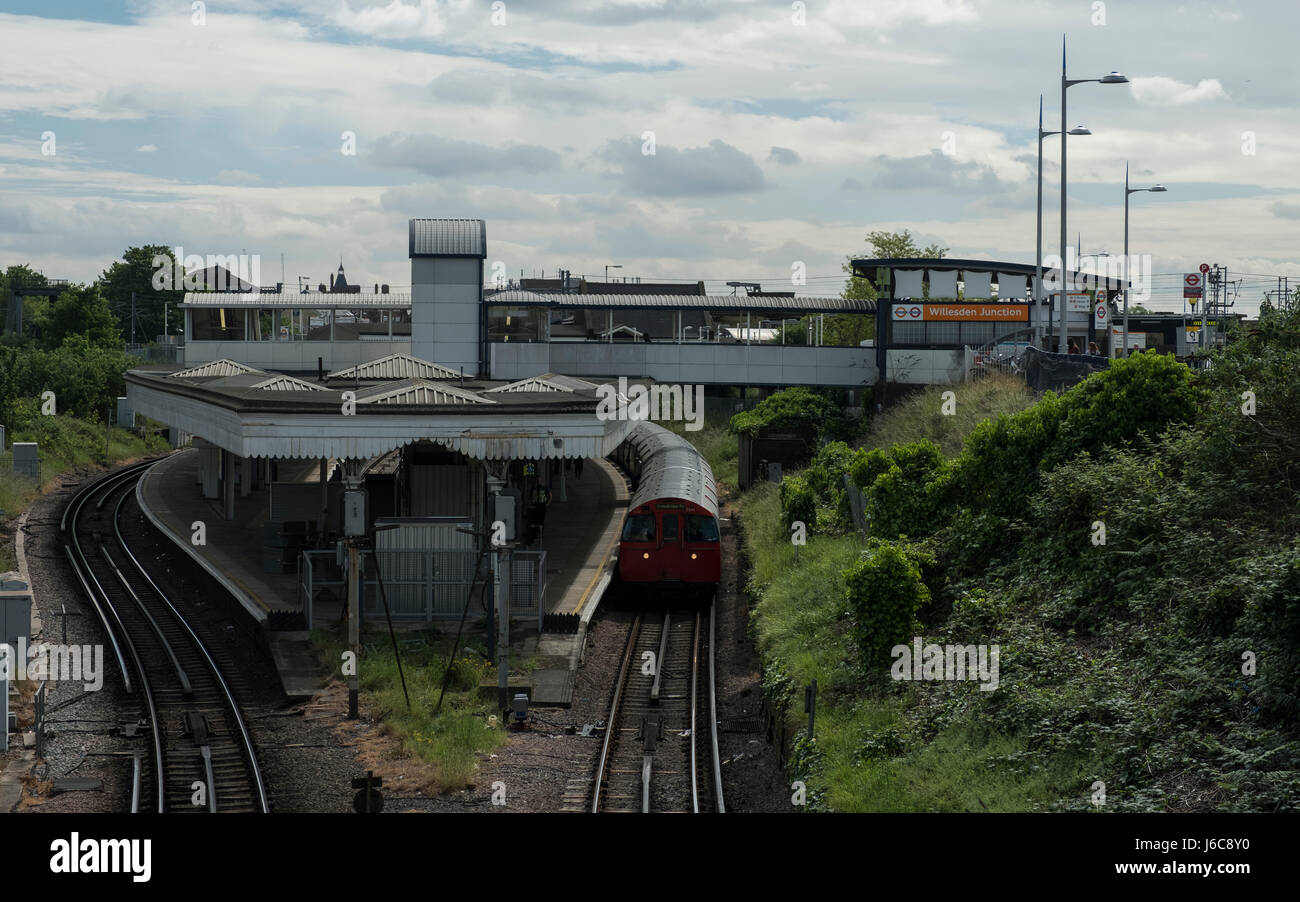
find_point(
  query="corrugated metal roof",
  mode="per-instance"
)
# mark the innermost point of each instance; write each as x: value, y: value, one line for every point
x: 804, y: 304
x: 547, y: 382
x: 288, y: 383
x: 396, y: 366
x: 671, y: 467
x: 223, y: 367
x: 417, y: 391
x: 448, y: 238
x: 311, y: 299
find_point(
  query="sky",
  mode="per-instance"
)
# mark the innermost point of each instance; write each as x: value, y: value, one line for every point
x: 676, y: 139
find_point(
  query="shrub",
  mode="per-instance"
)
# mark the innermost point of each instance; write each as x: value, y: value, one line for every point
x: 801, y: 410
x: 797, y: 501
x: 884, y: 590
x: 904, y: 500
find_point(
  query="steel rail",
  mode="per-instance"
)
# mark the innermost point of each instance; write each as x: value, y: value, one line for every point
x: 612, y: 720
x: 246, y: 739
x: 713, y: 710
x: 81, y: 564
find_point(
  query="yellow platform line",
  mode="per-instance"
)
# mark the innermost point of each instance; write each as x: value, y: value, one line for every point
x: 595, y: 576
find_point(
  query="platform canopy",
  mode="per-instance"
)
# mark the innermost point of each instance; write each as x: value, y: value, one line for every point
x: 902, y: 277
x: 255, y: 414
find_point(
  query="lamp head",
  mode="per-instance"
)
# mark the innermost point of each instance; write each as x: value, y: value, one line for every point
x: 1114, y: 79
x: 1080, y: 130
x: 1157, y: 188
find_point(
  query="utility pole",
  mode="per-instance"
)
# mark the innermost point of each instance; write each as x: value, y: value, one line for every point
x: 501, y: 586
x: 133, y: 317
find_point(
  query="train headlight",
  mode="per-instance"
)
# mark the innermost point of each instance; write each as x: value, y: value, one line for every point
x: 692, y: 555
x: 646, y: 555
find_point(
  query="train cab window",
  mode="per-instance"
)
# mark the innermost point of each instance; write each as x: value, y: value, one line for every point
x: 670, y: 527
x: 639, y: 528
x: 701, y: 529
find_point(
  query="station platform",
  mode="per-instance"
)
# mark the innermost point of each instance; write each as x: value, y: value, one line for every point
x: 580, y: 539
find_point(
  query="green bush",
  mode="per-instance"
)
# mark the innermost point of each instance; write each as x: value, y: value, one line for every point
x: 904, y: 500
x: 884, y: 590
x: 798, y: 503
x: 801, y: 410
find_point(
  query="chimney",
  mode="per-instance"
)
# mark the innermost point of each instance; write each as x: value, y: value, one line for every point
x: 383, y: 289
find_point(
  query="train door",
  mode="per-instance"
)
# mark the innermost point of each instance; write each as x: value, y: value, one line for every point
x: 670, y: 546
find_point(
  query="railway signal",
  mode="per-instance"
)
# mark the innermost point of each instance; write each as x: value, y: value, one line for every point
x: 369, y: 800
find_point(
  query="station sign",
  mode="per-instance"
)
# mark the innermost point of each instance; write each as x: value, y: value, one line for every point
x: 1135, y: 339
x: 1192, y: 284
x: 960, y: 313
x: 1100, y: 315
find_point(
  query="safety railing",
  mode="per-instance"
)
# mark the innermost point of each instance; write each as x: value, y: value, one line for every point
x: 421, y: 583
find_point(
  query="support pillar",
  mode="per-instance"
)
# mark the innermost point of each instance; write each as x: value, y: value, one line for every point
x: 228, y: 484
x: 501, y: 587
x: 324, y: 496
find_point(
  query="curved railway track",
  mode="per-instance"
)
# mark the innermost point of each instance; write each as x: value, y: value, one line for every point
x: 660, y: 751
x: 201, y: 755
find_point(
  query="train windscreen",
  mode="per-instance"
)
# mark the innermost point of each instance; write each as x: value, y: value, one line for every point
x: 639, y: 528
x: 701, y: 529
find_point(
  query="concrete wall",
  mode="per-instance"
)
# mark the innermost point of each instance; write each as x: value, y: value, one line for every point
x: 297, y: 356
x: 925, y: 367
x: 688, y: 362
x: 445, y: 295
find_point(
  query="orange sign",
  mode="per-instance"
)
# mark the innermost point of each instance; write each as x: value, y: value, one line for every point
x: 963, y: 313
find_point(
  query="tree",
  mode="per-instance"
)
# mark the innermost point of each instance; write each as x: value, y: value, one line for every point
x: 851, y: 329
x: 82, y: 310
x: 134, y: 273
x: 35, y: 309
x: 884, y: 245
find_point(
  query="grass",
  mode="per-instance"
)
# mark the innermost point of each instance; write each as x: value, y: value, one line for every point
x: 915, y: 747
x: 451, y: 742
x: 921, y: 415
x: 66, y: 443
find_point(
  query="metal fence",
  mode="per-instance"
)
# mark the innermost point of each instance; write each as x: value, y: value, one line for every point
x: 1005, y: 355
x: 422, y: 583
x: 33, y: 470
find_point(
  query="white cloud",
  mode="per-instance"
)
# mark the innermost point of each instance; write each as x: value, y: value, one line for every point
x: 396, y: 20
x: 237, y: 177
x: 147, y: 148
x: 1159, y: 90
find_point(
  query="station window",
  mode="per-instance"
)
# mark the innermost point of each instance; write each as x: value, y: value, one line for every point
x: 516, y: 323
x: 701, y: 529
x: 942, y: 333
x: 316, y: 324
x: 570, y: 324
x: 909, y: 333
x: 261, y: 325
x: 401, y: 320
x: 639, y: 528
x: 976, y: 334
x: 217, y: 324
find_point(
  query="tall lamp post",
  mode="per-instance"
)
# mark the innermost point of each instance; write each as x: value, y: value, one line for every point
x: 1154, y: 189
x: 1114, y: 78
x: 1038, y: 256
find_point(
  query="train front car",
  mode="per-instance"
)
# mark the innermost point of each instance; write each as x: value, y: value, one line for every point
x: 670, y: 536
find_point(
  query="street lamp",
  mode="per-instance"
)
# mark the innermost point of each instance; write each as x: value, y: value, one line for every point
x: 1154, y: 189
x: 1038, y: 256
x: 1114, y: 78
x: 609, y: 266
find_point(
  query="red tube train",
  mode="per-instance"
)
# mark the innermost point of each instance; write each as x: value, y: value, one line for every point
x: 670, y: 535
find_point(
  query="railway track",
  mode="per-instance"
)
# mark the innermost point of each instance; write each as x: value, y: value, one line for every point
x: 201, y: 756
x: 660, y: 751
